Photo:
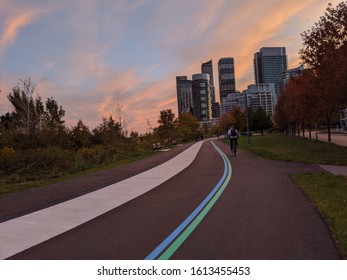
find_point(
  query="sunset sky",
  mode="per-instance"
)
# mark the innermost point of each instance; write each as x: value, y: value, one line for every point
x: 88, y: 53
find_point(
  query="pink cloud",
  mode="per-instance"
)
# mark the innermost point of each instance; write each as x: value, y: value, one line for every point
x: 254, y: 27
x: 13, y: 26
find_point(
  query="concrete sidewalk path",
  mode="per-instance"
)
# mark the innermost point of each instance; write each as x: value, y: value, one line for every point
x: 26, y: 231
x: 336, y: 170
x: 336, y: 138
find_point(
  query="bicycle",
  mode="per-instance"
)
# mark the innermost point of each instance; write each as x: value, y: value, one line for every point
x: 234, y: 149
x: 233, y: 146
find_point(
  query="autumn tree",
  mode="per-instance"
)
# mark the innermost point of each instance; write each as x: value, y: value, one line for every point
x: 324, y: 52
x: 310, y: 106
x: 238, y: 118
x: 217, y: 130
x: 225, y: 121
x: 187, y: 126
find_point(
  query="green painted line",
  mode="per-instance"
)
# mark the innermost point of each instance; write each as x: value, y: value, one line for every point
x: 184, y: 235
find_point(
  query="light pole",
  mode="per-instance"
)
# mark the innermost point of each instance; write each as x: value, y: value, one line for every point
x: 247, y: 120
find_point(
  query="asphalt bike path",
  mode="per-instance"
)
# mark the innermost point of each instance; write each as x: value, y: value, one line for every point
x: 260, y: 214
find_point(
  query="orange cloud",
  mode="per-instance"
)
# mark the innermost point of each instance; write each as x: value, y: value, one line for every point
x: 206, y: 17
x: 146, y: 102
x: 252, y: 28
x: 13, y: 26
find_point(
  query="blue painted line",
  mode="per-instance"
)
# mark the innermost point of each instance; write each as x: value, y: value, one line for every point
x: 157, y: 251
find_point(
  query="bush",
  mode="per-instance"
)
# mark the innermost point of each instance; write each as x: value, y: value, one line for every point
x: 9, y: 159
x: 18, y: 166
x: 35, y: 164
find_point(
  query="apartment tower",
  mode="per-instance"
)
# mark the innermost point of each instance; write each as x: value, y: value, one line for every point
x: 184, y: 95
x: 202, y: 101
x: 226, y: 75
x: 206, y: 68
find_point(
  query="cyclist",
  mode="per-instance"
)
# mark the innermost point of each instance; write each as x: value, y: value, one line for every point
x: 233, y: 135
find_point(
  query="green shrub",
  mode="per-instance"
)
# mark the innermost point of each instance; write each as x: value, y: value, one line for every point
x: 35, y: 163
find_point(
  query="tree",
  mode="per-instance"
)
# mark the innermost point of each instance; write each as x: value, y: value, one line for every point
x: 238, y: 118
x: 121, y: 116
x: 54, y: 116
x: 284, y: 118
x: 166, y: 124
x: 81, y: 135
x: 134, y: 135
x: 27, y: 112
x: 187, y: 126
x: 32, y: 123
x: 309, y: 105
x: 325, y: 53
x: 108, y: 132
x: 217, y: 130
x: 225, y: 121
x: 261, y: 120
x: 299, y: 104
x: 52, y: 129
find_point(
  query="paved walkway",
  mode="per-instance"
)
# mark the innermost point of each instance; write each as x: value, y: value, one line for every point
x: 336, y: 170
x: 26, y: 231
x: 336, y: 138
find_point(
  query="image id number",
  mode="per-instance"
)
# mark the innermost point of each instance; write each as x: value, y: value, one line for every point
x: 201, y: 271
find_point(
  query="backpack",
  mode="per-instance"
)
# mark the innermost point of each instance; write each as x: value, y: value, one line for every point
x: 232, y: 133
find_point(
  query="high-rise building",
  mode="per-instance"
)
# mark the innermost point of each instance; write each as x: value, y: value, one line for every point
x: 207, y: 68
x: 269, y: 63
x: 215, y: 110
x: 232, y: 101
x: 226, y: 76
x: 262, y: 95
x: 201, y: 89
x: 184, y: 94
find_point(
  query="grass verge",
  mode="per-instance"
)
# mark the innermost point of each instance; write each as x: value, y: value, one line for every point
x: 291, y: 148
x: 329, y: 195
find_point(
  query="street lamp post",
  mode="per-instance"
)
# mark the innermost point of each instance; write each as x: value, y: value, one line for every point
x: 247, y: 120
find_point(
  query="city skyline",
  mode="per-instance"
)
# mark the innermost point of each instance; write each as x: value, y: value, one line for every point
x: 88, y: 53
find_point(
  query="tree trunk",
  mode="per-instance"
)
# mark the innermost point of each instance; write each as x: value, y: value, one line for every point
x: 316, y: 129
x: 328, y: 123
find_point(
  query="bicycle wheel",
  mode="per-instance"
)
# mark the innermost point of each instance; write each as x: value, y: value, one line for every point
x: 234, y: 148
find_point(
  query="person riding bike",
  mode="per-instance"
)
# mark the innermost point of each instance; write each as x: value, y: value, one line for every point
x: 233, y: 135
